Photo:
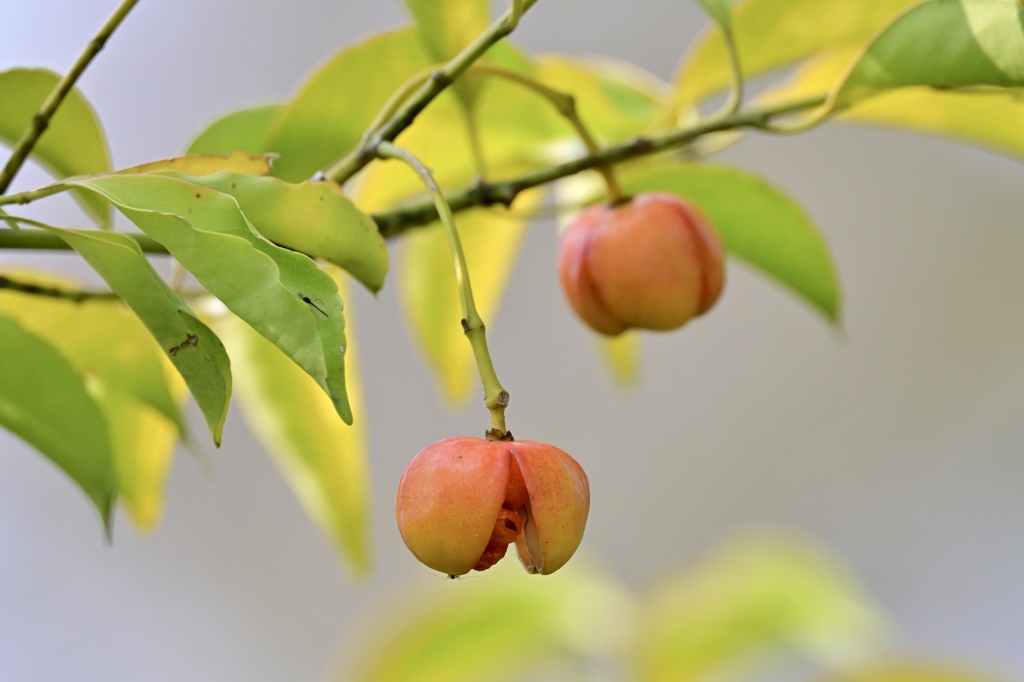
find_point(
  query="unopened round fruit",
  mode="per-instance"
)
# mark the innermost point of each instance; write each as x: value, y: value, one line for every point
x: 654, y: 262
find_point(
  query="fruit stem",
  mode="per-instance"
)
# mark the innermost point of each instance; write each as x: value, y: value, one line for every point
x: 41, y: 120
x: 495, y: 397
x: 566, y: 106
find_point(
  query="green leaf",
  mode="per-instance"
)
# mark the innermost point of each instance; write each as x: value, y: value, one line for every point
x: 754, y: 596
x: 324, y: 460
x: 945, y: 44
x: 770, y: 34
x: 338, y: 102
x: 314, y: 218
x: 430, y: 298
x: 758, y: 223
x: 282, y: 294
x: 505, y: 625
x: 73, y: 144
x: 125, y: 372
x: 719, y: 10
x: 190, y: 345
x: 43, y: 399
x: 244, y: 130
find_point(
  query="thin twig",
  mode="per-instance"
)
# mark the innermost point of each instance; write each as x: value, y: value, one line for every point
x: 41, y: 120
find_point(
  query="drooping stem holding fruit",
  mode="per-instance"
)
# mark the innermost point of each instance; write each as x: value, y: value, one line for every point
x: 41, y: 120
x: 566, y: 106
x: 495, y: 397
x: 434, y: 85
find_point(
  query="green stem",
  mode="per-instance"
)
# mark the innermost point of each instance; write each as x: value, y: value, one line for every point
x: 434, y: 85
x: 41, y: 120
x: 566, y: 106
x: 495, y: 397
x: 394, y: 222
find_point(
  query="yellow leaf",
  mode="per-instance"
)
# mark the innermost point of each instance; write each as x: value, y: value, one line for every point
x: 759, y: 594
x: 206, y: 164
x: 322, y: 458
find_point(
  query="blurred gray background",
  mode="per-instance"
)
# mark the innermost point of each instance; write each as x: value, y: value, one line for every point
x: 896, y: 443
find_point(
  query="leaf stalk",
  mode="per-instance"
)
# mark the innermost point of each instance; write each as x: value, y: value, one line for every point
x: 495, y: 397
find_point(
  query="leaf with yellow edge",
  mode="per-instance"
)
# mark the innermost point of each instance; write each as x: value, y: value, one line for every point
x: 206, y: 164
x: 127, y: 375
x: 506, y: 624
x: 755, y: 595
x: 430, y: 298
x: 988, y: 118
x: 102, y: 338
x: 323, y: 459
x: 770, y: 34
x: 282, y: 294
x: 189, y: 344
x: 43, y: 400
x: 73, y: 144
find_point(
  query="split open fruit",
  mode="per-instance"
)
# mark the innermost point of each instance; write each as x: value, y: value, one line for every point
x: 462, y: 501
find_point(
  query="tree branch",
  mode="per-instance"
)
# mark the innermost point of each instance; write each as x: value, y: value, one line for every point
x: 6, y: 283
x: 392, y: 223
x: 41, y: 121
x: 49, y: 241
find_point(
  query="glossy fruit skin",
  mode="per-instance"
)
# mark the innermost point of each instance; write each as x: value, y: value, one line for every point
x: 461, y: 501
x: 652, y: 263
